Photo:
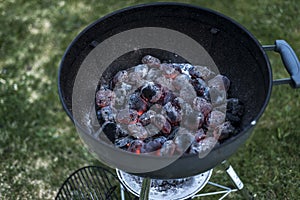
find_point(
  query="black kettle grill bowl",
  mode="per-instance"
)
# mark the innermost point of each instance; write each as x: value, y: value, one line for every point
x: 235, y: 51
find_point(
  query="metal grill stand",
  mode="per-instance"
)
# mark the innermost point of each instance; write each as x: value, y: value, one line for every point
x: 144, y: 192
x: 239, y: 186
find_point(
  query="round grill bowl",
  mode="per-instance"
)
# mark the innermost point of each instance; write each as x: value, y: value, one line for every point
x: 234, y: 50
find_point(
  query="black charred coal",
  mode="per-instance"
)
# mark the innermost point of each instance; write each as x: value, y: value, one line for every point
x: 173, y: 133
x: 137, y: 103
x: 199, y: 86
x: 145, y: 118
x: 110, y: 130
x: 124, y: 143
x: 226, y: 131
x: 155, y: 144
x: 106, y: 113
x: 113, y: 131
x: 226, y: 82
x: 167, y: 96
x: 137, y: 146
x: 151, y: 92
x: 234, y: 111
x: 173, y: 113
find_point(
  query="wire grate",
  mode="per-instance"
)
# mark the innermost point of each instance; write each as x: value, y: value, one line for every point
x: 92, y: 183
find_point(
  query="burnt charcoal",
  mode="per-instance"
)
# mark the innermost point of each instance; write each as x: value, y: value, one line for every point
x: 226, y: 82
x: 195, y: 73
x: 153, y: 74
x: 206, y: 94
x: 185, y: 107
x: 141, y: 70
x: 165, y: 82
x: 218, y: 87
x: 201, y: 72
x: 121, y: 132
x: 121, y: 91
x: 215, y: 118
x: 168, y: 71
x: 188, y: 105
x: 120, y: 97
x: 152, y: 130
x: 183, y: 140
x: 110, y: 129
x: 152, y: 146
x: 106, y: 113
x: 172, y: 113
x: 168, y: 96
x: 134, y: 77
x: 186, y: 68
x: 168, y: 148
x: 178, y: 102
x: 220, y: 82
x: 188, y: 93
x: 181, y: 81
x: 173, y: 133
x: 217, y: 97
x: 137, y: 146
x: 137, y: 130
x: 199, y: 86
x: 137, y: 103
x: 200, y: 135
x: 225, y: 131
x: 194, y: 120
x: 151, y: 61
x: 203, y: 147
x: 155, y: 144
x: 121, y: 76
x: 124, y: 142
x: 161, y: 123
x: 145, y: 118
x: 161, y: 139
x: 221, y: 108
x: 105, y: 97
x: 234, y: 111
x: 140, y: 84
x: 151, y: 92
x: 127, y: 116
x: 156, y: 107
x: 177, y: 66
x: 202, y: 105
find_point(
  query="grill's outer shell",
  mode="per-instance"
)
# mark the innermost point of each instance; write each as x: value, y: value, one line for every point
x: 235, y: 51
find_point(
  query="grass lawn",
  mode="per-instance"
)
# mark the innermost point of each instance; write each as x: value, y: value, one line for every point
x: 39, y: 146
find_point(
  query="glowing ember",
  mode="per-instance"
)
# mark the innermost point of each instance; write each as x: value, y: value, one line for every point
x: 167, y: 108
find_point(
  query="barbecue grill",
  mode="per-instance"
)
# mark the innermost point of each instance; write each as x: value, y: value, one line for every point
x: 119, y: 40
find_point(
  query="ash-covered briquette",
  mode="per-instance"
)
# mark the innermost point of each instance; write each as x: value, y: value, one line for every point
x: 151, y: 92
x: 234, y: 111
x: 105, y: 97
x: 106, y: 114
x: 167, y: 108
x: 199, y: 86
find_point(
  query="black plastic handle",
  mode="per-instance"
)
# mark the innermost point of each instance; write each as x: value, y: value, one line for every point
x: 290, y: 61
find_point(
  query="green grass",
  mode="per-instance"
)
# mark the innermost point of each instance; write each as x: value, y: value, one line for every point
x: 39, y: 146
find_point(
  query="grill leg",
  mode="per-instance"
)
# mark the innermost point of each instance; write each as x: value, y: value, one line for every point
x: 145, y: 189
x: 122, y: 192
x: 236, y: 180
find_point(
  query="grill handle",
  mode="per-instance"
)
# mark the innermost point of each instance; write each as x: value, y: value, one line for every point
x: 290, y: 61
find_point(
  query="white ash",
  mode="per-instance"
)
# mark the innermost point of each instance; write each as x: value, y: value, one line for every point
x: 183, y: 103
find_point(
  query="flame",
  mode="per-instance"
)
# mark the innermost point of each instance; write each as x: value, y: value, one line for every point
x: 140, y: 113
x: 157, y: 152
x: 138, y: 151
